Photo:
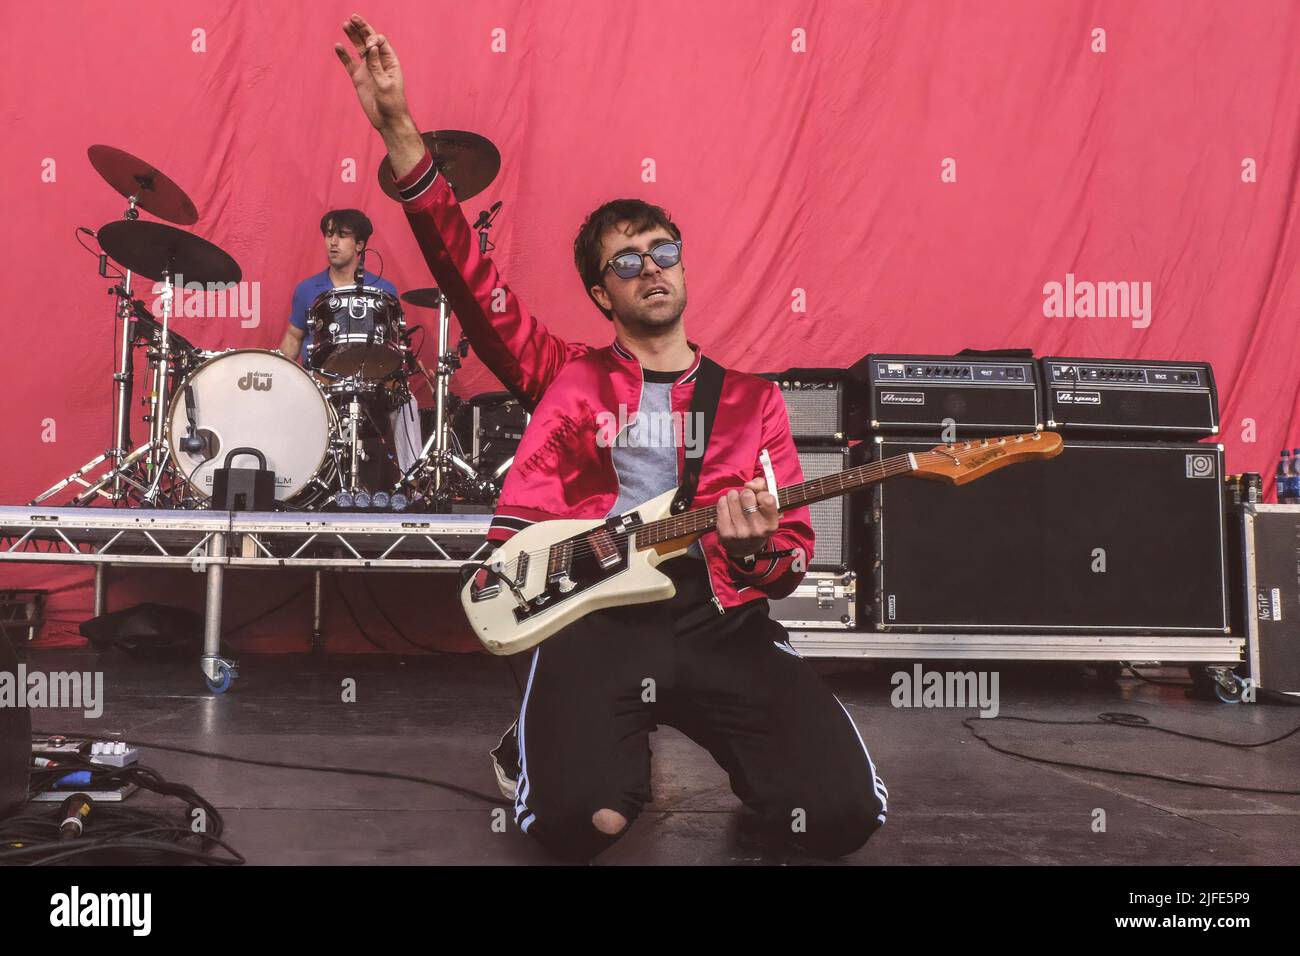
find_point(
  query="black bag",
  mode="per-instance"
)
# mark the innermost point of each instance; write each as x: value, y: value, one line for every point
x: 147, y: 630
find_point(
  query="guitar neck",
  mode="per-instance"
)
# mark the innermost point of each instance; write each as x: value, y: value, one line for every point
x: 700, y: 520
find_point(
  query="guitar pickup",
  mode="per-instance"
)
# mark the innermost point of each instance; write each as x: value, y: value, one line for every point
x: 559, y: 562
x: 604, y: 549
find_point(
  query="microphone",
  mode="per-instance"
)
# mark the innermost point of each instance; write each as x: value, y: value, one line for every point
x: 483, y: 223
x: 487, y: 215
x: 191, y: 443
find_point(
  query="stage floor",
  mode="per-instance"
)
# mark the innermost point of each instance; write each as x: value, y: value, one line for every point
x: 952, y: 799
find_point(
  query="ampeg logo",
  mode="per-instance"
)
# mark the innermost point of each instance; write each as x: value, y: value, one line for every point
x: 902, y: 398
x: 1200, y: 466
x: 1078, y: 398
x: 257, y: 381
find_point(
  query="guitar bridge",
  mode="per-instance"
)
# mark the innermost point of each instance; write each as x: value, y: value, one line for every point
x: 581, y: 562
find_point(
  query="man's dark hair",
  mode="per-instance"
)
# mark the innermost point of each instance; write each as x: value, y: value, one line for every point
x: 353, y: 219
x: 586, y: 248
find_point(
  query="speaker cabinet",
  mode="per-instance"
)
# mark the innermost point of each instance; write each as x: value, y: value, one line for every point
x: 830, y: 518
x: 1107, y: 536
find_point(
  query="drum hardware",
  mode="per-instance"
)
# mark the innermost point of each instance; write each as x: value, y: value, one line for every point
x: 158, y: 251
x: 429, y: 477
x: 144, y: 187
x: 142, y: 473
x: 362, y: 363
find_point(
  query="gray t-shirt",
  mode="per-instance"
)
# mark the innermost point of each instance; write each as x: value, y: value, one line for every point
x: 645, y: 454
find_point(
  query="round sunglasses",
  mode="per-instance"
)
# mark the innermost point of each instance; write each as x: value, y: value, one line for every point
x: 629, y: 265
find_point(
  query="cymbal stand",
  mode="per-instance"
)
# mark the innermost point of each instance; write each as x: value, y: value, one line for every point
x: 125, y: 366
x: 436, y: 458
x: 121, y: 462
x: 158, y: 396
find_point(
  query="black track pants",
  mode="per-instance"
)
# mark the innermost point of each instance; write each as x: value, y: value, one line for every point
x: 729, y: 681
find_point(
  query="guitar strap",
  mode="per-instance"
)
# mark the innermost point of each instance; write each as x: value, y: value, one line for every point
x: 704, y: 408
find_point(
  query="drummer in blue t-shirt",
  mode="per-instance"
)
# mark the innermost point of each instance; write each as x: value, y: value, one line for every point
x: 346, y: 233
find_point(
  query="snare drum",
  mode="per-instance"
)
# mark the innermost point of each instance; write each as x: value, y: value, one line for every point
x: 357, y: 332
x: 259, y: 399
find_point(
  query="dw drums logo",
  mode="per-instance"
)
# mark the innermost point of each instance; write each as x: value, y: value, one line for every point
x: 1200, y: 466
x: 257, y: 381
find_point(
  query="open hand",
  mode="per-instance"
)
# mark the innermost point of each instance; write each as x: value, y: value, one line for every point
x: 377, y: 75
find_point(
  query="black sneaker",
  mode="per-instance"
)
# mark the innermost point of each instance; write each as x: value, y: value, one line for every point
x: 505, y: 762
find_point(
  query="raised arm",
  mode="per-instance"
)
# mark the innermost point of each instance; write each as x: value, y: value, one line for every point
x: 512, y: 343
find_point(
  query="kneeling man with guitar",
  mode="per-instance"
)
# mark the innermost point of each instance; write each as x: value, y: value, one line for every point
x: 700, y: 472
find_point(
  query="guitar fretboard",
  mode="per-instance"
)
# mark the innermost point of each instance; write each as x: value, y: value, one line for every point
x: 700, y: 520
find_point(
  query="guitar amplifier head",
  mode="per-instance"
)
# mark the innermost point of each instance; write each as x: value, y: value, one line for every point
x: 814, y: 402
x: 1138, y: 398
x: 924, y: 394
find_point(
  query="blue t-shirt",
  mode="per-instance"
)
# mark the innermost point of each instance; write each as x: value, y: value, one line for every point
x: 307, y: 291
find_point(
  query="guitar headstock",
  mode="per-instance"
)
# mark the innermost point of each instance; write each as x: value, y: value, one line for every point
x: 963, y: 461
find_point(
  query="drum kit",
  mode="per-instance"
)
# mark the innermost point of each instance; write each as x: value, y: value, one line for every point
x: 326, y: 431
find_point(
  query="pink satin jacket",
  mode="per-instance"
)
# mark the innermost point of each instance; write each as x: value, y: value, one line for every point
x: 564, y: 465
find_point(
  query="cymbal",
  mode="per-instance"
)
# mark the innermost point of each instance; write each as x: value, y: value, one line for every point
x: 424, y: 298
x: 153, y: 192
x: 469, y: 162
x: 152, y: 248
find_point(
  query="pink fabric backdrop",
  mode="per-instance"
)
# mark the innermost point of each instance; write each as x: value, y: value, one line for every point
x: 817, y: 171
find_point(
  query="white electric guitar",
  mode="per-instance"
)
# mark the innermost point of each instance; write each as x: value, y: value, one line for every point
x: 554, y: 572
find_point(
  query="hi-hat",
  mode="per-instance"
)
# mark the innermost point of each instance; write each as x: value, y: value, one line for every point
x: 134, y: 178
x: 154, y: 248
x: 468, y: 161
x: 424, y: 298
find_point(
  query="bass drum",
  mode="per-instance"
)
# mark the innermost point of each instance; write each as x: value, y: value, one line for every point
x: 259, y: 399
